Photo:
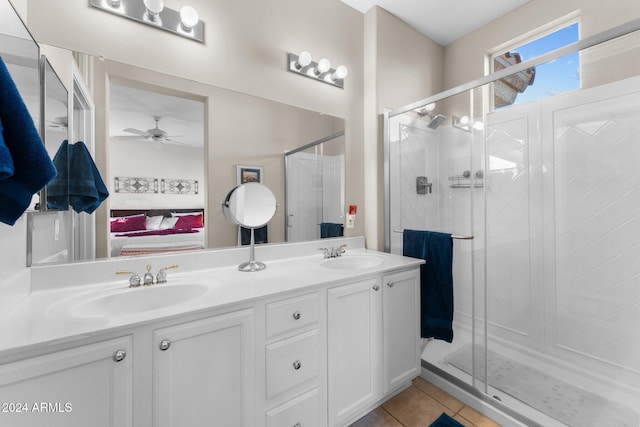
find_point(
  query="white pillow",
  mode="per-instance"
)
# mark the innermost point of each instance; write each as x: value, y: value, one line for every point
x: 153, y: 222
x: 168, y: 223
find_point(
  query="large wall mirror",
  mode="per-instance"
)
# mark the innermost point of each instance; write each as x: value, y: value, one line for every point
x: 170, y: 148
x: 173, y: 149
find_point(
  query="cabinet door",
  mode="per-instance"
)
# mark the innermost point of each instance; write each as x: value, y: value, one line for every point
x: 401, y: 333
x: 204, y: 372
x: 354, y: 332
x: 84, y: 386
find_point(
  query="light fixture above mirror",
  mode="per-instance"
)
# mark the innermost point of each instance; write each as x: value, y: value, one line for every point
x: 185, y: 22
x: 304, y: 64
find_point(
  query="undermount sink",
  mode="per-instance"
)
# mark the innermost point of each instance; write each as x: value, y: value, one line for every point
x: 356, y: 261
x: 136, y: 300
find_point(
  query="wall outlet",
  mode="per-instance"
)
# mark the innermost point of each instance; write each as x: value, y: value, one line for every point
x: 351, y: 221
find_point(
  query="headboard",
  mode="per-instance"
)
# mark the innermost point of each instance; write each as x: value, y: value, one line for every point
x: 115, y: 213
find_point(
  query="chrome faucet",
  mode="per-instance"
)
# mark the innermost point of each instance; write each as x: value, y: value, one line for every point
x: 161, y: 277
x: 148, y: 277
x: 333, y: 252
x: 134, y: 280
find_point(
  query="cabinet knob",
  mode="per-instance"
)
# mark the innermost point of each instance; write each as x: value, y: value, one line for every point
x: 119, y: 355
x: 296, y: 315
x: 164, y: 345
x: 376, y: 287
x: 297, y: 365
x: 297, y: 425
x: 390, y: 284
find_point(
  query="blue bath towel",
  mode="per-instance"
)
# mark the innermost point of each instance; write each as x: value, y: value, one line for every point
x: 6, y: 162
x: 330, y: 229
x: 259, y: 235
x: 86, y: 188
x: 58, y: 189
x: 436, y: 280
x: 33, y: 168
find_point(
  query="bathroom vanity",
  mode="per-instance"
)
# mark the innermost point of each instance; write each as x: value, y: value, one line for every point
x: 306, y: 342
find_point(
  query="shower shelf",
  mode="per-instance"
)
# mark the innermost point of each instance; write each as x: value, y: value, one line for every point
x: 461, y: 181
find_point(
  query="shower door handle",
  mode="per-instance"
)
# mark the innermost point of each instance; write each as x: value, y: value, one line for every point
x: 289, y: 220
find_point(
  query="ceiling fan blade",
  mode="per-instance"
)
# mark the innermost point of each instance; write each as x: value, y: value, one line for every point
x: 129, y: 137
x: 137, y: 132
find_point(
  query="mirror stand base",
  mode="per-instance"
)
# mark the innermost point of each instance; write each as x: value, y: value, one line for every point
x: 252, y: 266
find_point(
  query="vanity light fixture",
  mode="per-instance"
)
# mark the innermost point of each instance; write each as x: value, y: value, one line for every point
x: 154, y: 7
x: 185, y: 22
x: 304, y: 65
x: 464, y: 123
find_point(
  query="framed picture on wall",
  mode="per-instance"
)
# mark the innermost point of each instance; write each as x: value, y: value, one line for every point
x: 249, y: 174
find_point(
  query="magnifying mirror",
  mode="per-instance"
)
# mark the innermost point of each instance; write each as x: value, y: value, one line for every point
x: 251, y: 205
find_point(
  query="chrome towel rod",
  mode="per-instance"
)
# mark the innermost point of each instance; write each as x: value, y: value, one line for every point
x: 453, y: 236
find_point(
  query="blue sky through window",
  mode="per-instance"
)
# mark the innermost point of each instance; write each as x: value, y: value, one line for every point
x: 560, y: 75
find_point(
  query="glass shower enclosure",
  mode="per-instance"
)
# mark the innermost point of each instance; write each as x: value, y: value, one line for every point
x: 543, y: 203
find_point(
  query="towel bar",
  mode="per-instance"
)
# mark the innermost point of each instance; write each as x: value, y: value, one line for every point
x: 453, y: 236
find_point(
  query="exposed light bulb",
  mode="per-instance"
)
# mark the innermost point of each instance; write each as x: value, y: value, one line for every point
x: 154, y: 7
x: 340, y: 73
x: 188, y: 18
x: 464, y: 120
x: 323, y: 66
x: 304, y: 59
x: 478, y: 125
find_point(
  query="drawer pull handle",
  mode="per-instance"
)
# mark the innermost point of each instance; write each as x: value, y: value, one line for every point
x: 376, y: 288
x: 119, y: 355
x: 390, y: 284
x: 164, y: 345
x: 297, y: 365
x: 296, y: 315
x: 297, y: 425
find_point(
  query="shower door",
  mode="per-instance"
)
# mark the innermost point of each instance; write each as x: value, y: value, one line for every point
x: 314, y: 181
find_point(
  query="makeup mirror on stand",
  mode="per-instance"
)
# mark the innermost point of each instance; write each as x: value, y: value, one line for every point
x: 250, y: 205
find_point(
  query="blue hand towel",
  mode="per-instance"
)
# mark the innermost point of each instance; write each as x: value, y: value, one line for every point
x: 436, y: 280
x: 259, y: 235
x: 86, y: 188
x: 6, y: 162
x: 58, y: 189
x: 330, y: 229
x: 33, y: 168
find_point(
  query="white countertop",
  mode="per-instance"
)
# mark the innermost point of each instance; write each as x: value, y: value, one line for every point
x: 47, y: 315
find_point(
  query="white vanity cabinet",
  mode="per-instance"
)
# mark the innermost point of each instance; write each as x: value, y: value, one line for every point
x: 401, y: 328
x: 294, y: 361
x: 203, y: 372
x: 88, y: 385
x: 373, y: 342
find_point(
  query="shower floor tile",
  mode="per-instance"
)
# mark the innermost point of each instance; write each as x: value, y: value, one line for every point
x: 420, y: 405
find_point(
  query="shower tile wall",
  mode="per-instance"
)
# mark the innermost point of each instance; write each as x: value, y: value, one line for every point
x: 597, y: 236
x: 508, y: 255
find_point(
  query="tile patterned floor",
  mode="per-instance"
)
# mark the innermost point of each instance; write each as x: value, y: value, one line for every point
x: 420, y: 405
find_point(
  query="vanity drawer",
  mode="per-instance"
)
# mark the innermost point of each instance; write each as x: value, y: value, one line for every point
x: 292, y: 313
x: 291, y: 362
x: 303, y: 411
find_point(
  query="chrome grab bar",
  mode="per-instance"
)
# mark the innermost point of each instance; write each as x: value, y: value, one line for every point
x: 453, y: 236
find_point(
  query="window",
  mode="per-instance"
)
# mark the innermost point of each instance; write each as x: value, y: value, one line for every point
x: 548, y: 79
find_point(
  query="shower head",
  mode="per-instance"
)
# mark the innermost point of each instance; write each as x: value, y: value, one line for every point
x: 436, y: 121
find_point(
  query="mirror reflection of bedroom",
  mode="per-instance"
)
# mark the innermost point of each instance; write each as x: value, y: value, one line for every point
x: 156, y: 170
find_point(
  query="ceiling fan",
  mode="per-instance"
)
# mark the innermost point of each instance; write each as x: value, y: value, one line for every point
x: 154, y: 134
